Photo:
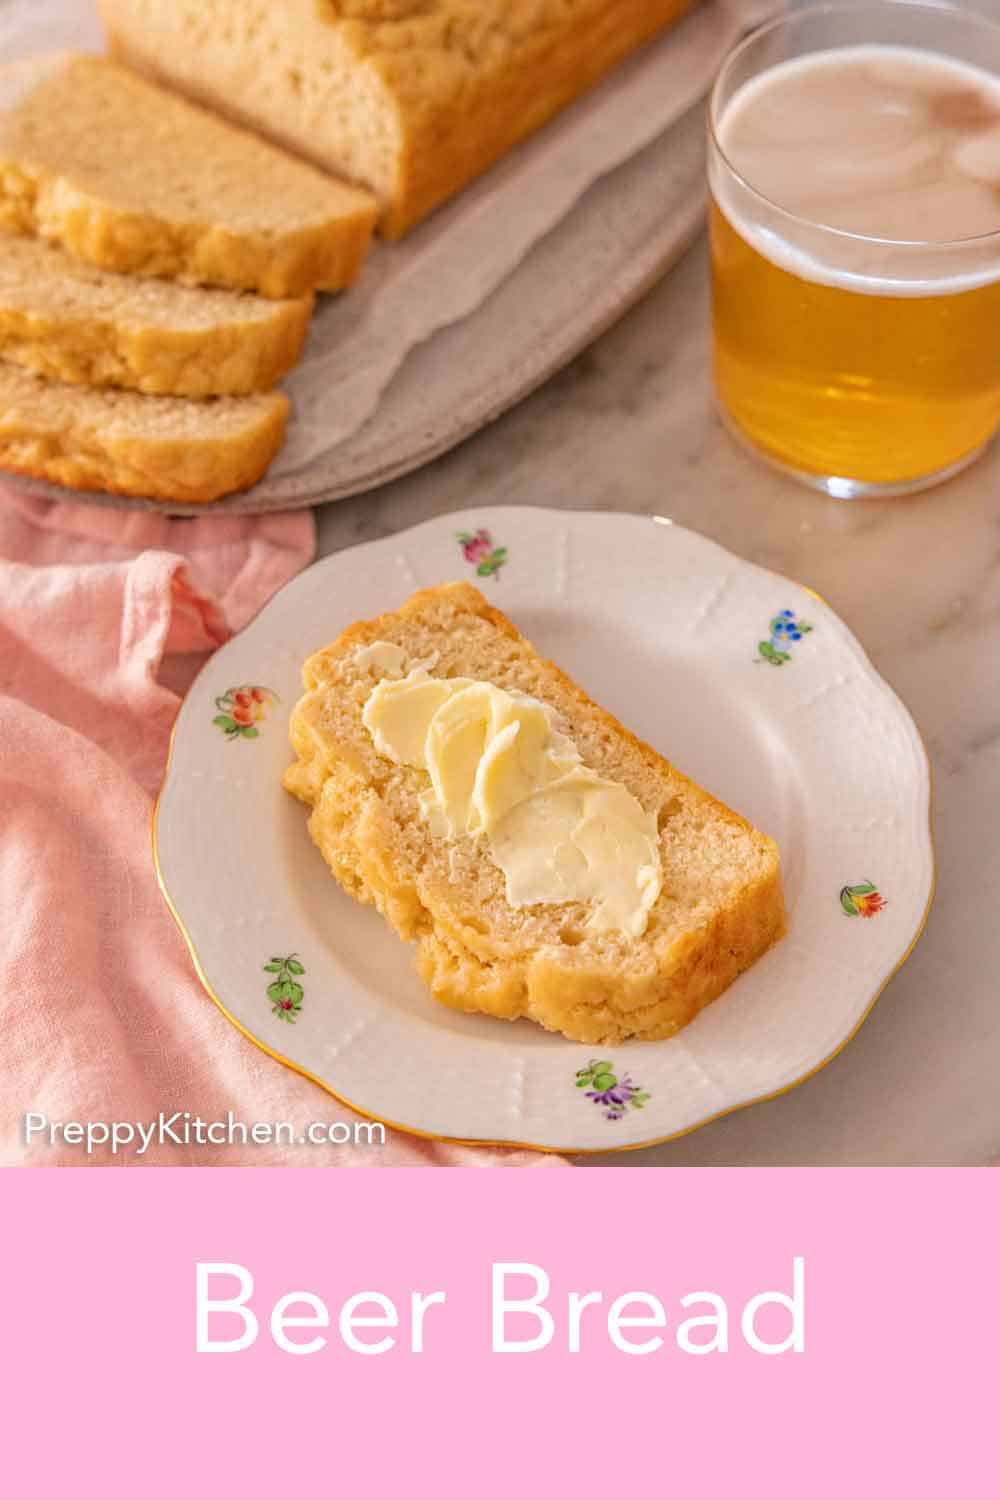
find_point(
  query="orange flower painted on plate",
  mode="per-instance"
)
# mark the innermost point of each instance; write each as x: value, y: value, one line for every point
x: 241, y: 709
x: 862, y: 900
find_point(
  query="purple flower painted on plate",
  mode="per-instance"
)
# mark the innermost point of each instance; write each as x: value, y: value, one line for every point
x: 615, y: 1096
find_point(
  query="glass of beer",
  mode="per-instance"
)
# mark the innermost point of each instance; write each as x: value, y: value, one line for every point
x: 854, y: 170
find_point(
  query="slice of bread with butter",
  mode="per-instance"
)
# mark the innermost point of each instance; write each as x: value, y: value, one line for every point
x: 546, y: 863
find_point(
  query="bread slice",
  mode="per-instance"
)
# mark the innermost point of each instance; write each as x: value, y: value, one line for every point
x: 129, y: 177
x: 412, y: 97
x: 720, y: 905
x: 163, y: 447
x: 69, y: 321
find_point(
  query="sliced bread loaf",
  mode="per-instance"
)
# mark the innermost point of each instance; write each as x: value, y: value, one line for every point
x: 719, y: 905
x: 66, y: 320
x: 158, y: 446
x: 129, y: 177
x: 412, y: 97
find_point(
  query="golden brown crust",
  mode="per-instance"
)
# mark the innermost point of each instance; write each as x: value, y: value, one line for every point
x: 591, y: 999
x: 450, y: 140
x: 195, y: 467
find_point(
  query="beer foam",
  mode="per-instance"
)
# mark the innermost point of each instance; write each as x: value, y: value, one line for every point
x: 892, y: 145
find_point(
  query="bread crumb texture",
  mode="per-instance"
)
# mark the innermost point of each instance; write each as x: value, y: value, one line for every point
x: 161, y: 447
x: 414, y: 98
x: 66, y: 320
x: 129, y: 177
x: 721, y: 903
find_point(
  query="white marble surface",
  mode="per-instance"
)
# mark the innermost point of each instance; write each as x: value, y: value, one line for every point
x: 630, y: 427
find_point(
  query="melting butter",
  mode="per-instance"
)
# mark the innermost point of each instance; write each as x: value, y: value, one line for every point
x: 383, y: 657
x: 499, y: 768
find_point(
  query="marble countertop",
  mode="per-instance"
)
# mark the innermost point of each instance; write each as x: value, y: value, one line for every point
x: 630, y: 426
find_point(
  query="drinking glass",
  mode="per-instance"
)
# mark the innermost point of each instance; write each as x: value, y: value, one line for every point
x: 863, y: 366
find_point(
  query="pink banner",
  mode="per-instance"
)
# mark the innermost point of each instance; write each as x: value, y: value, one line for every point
x: 784, y: 1333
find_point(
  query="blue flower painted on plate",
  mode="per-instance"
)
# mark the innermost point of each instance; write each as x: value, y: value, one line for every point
x: 786, y: 629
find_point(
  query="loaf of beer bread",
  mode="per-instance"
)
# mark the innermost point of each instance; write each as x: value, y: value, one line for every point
x: 412, y: 98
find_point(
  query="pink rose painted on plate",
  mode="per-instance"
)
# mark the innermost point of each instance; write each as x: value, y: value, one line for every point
x: 478, y: 549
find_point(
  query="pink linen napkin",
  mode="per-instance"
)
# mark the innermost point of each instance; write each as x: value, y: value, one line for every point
x: 105, y: 615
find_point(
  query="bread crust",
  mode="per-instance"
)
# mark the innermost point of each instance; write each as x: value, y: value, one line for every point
x: 648, y: 991
x: 69, y: 322
x: 84, y: 449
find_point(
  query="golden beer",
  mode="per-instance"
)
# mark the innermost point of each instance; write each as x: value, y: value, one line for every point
x: 835, y: 382
x: 855, y: 243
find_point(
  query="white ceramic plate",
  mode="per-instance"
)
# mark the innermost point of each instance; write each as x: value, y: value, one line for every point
x: 745, y: 680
